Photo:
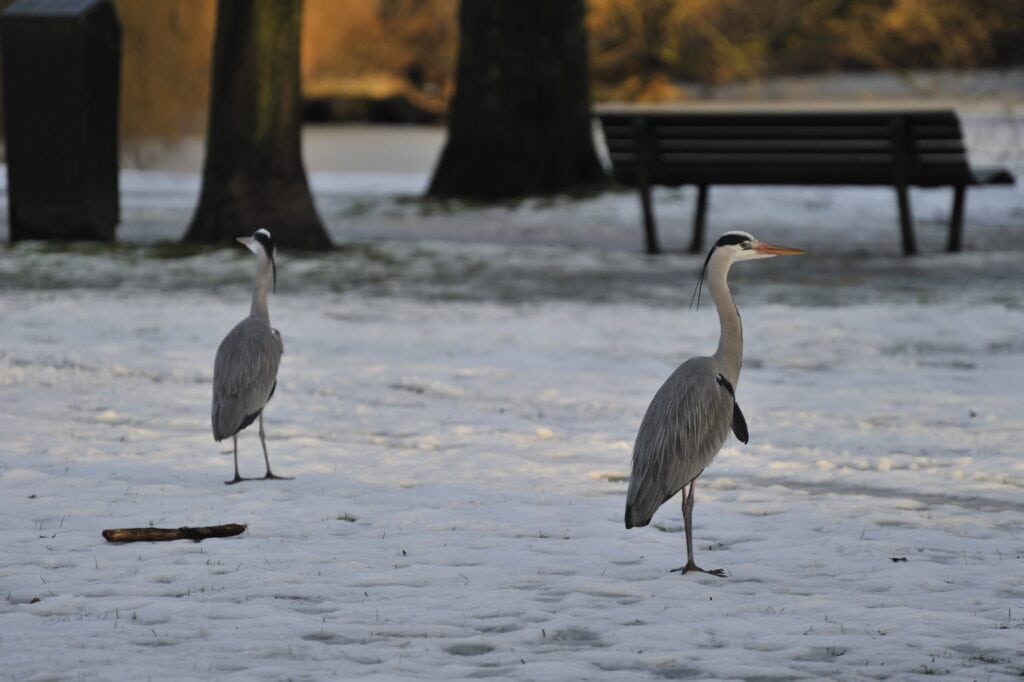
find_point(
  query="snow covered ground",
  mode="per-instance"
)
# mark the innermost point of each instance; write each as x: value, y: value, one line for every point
x: 457, y: 403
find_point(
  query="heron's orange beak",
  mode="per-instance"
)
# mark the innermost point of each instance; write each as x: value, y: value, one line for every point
x: 772, y: 250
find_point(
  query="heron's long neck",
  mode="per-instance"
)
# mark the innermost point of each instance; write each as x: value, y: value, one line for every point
x: 259, y: 289
x: 730, y: 343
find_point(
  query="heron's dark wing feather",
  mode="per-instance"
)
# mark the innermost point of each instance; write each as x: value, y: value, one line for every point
x: 244, y: 375
x: 739, y: 424
x: 685, y: 425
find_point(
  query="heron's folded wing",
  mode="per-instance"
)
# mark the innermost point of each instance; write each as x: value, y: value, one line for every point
x: 685, y: 425
x: 244, y: 374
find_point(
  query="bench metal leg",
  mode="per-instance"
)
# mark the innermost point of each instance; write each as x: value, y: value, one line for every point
x: 906, y: 221
x: 699, y: 219
x: 956, y: 220
x: 650, y: 227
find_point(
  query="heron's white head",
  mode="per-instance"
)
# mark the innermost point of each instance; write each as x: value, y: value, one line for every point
x: 739, y: 245
x: 736, y: 246
x: 262, y: 244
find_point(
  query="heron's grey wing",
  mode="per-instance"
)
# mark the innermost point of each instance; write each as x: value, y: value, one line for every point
x: 739, y: 422
x: 685, y: 425
x: 244, y: 375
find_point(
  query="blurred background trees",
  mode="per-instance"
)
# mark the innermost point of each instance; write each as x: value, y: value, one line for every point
x: 665, y: 50
x: 379, y: 59
x: 395, y: 59
x: 165, y: 66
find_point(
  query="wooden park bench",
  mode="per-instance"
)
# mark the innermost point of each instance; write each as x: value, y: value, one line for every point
x: 704, y: 148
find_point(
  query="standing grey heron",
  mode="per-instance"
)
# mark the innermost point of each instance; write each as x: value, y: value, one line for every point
x: 691, y: 415
x: 245, y: 371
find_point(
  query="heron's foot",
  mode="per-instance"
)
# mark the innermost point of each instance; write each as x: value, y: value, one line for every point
x: 690, y: 566
x: 271, y: 475
x: 239, y: 479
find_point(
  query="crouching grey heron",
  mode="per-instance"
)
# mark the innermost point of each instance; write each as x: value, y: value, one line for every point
x: 245, y: 371
x: 691, y: 415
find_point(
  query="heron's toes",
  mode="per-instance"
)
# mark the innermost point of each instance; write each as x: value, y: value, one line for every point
x: 239, y: 479
x: 278, y: 478
x: 690, y: 566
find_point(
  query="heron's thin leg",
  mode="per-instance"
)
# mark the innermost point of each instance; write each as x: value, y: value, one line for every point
x: 688, y: 500
x: 237, y: 478
x: 266, y: 457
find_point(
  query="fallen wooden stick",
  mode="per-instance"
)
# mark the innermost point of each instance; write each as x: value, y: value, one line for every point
x: 162, y: 534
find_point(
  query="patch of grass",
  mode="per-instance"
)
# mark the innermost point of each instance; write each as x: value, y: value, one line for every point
x: 358, y: 208
x: 173, y: 250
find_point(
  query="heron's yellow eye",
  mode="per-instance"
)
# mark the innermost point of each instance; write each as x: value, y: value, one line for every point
x: 747, y: 245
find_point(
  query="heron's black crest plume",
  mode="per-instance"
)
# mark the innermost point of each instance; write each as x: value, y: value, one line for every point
x: 703, y: 273
x: 264, y: 238
x: 733, y: 238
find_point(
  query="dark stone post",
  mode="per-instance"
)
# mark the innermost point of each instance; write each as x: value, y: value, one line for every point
x: 61, y: 82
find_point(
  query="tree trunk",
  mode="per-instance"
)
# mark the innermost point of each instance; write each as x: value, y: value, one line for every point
x: 253, y: 176
x: 520, y: 121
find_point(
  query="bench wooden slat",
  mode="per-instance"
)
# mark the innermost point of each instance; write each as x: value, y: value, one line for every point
x: 950, y: 159
x: 944, y: 132
x: 662, y: 150
x: 784, y: 118
x: 945, y: 145
x: 724, y: 175
x: 669, y: 152
x: 771, y: 132
x: 820, y: 146
x: 781, y: 158
x: 758, y: 133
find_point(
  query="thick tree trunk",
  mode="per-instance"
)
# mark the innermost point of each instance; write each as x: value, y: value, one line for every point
x: 520, y: 120
x: 253, y: 176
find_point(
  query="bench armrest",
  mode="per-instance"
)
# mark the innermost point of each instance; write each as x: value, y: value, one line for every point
x: 991, y: 175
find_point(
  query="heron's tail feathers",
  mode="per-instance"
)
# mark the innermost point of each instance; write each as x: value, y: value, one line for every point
x: 631, y: 521
x: 641, y: 503
x: 220, y: 429
x: 220, y: 433
x: 226, y: 424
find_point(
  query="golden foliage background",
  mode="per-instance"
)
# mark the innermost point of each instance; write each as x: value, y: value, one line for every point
x: 640, y: 50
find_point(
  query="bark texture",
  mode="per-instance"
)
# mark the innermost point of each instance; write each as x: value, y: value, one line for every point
x: 253, y: 175
x: 520, y: 120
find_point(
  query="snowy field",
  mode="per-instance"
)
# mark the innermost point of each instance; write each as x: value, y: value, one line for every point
x: 457, y: 402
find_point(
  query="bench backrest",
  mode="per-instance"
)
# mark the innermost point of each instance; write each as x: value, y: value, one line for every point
x: 923, y: 148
